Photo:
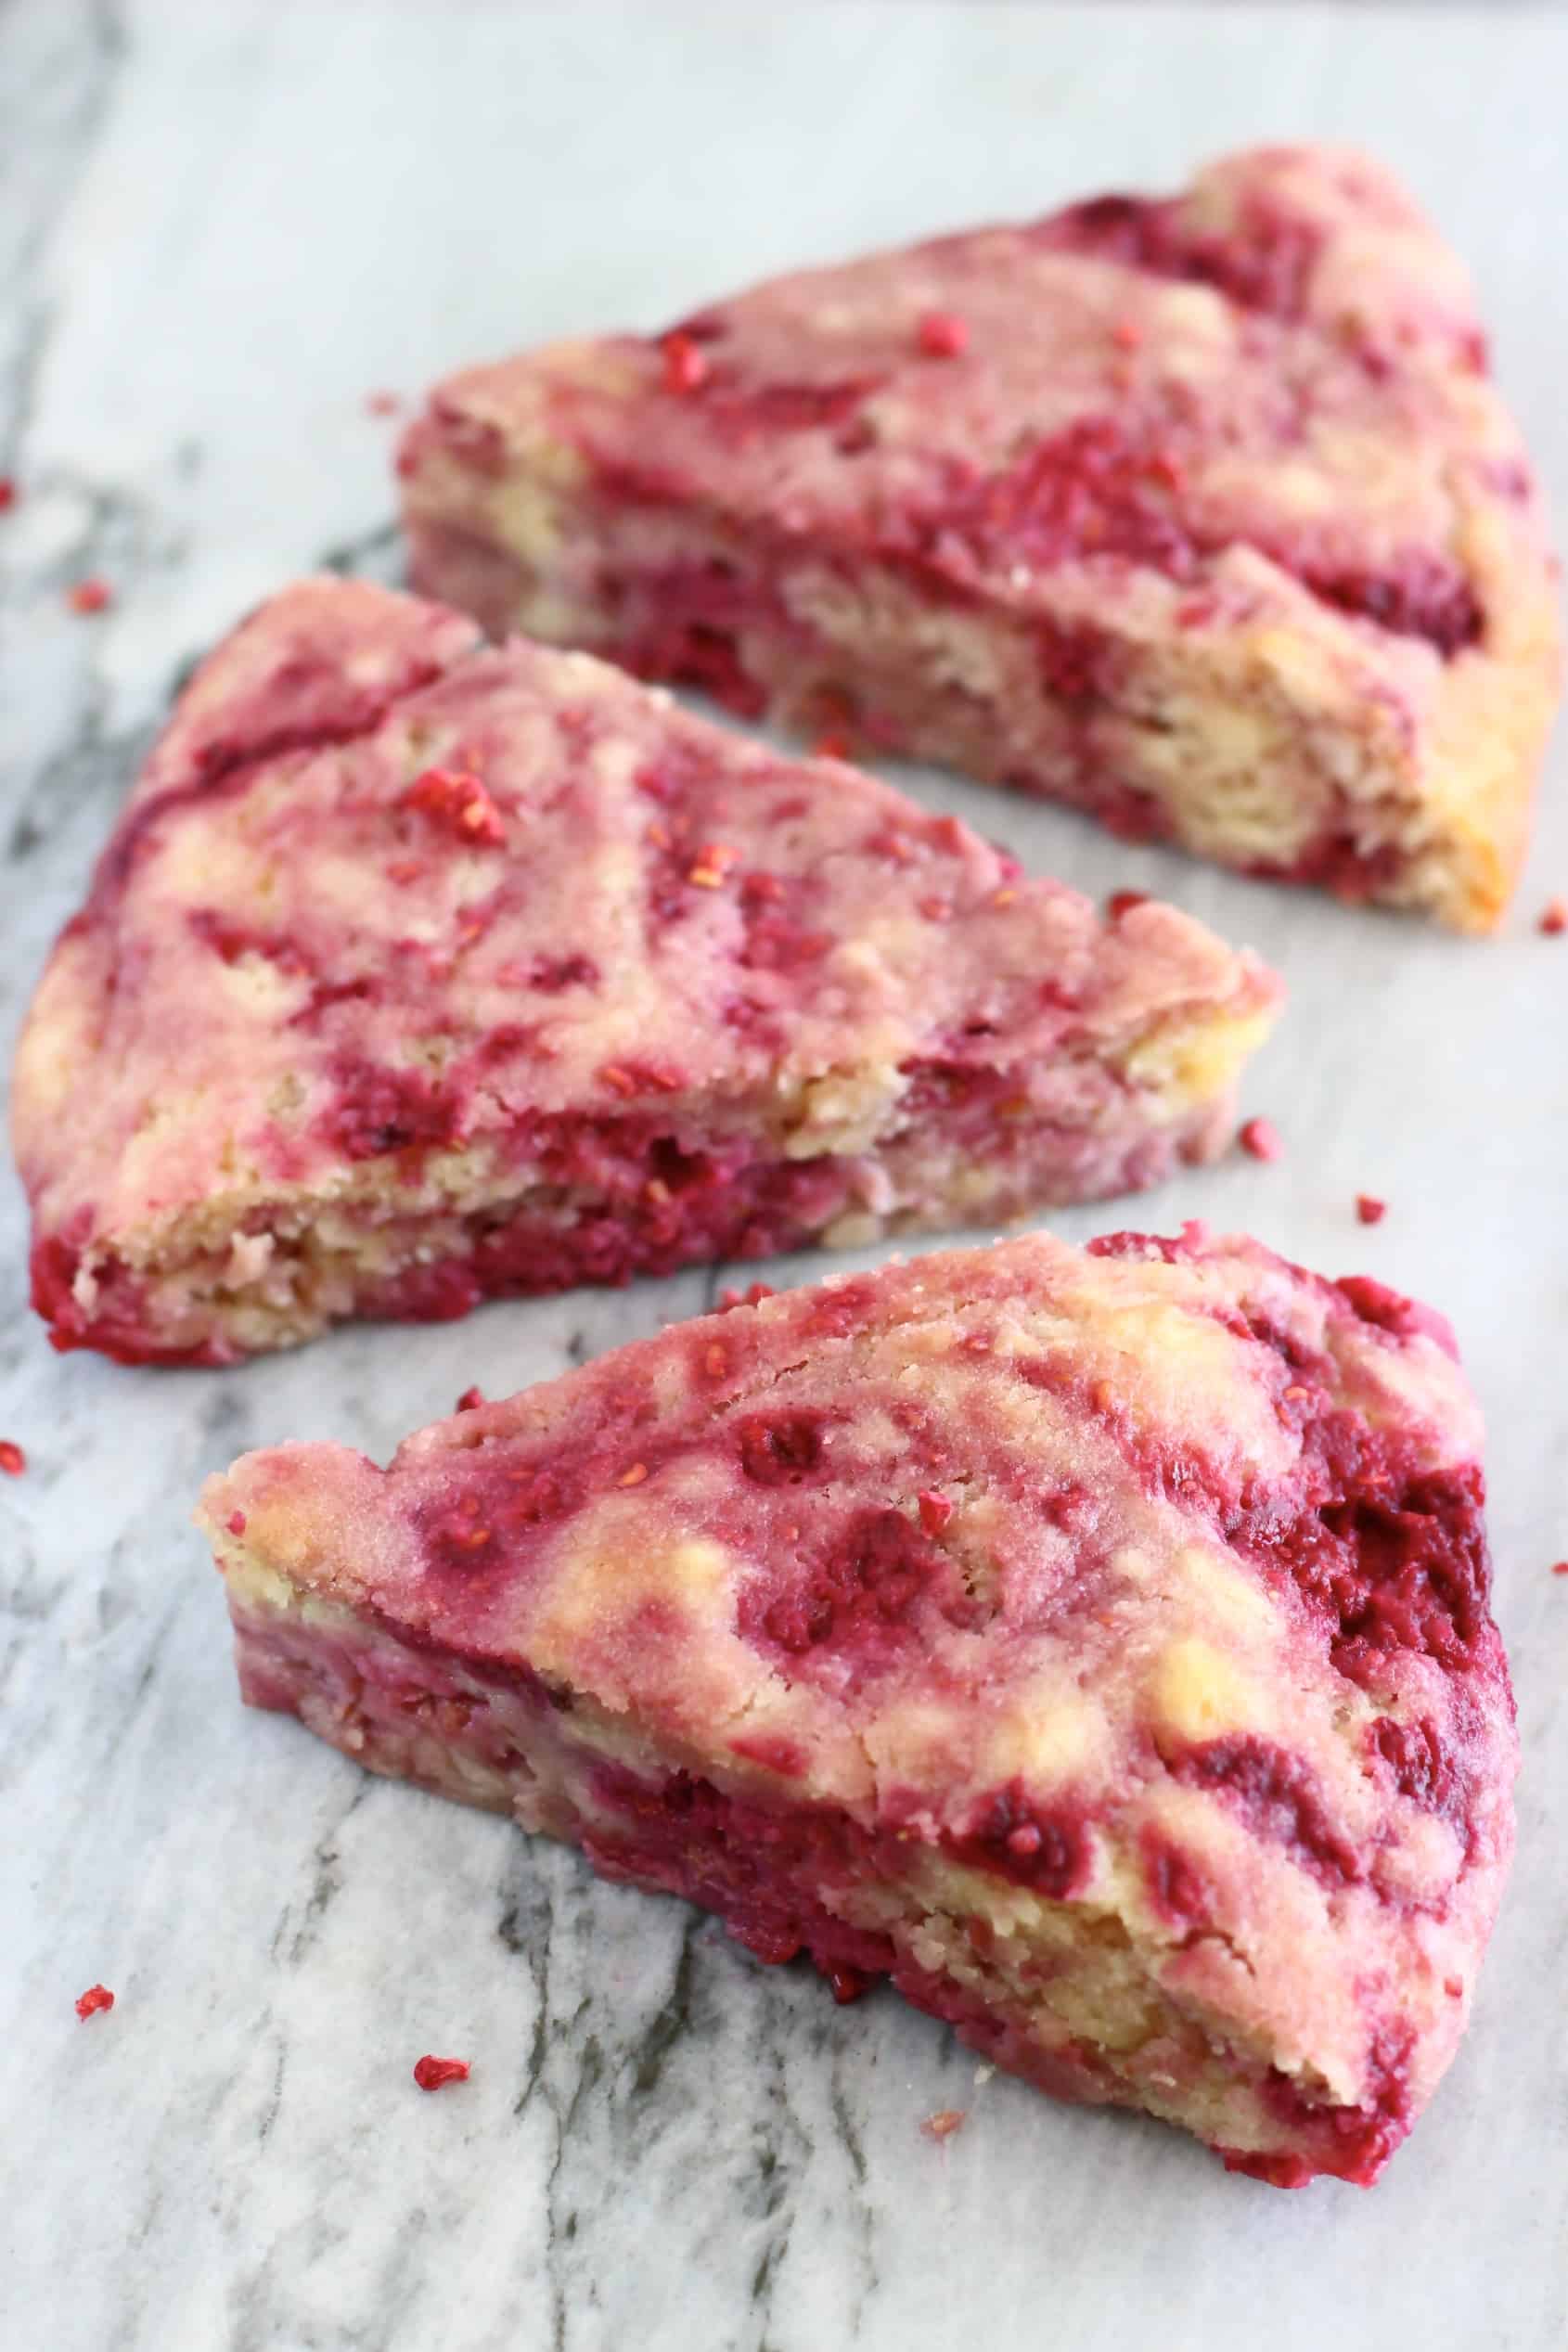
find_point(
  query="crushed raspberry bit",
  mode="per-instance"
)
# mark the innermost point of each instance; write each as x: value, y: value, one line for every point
x: 632, y: 1477
x: 1454, y: 1987
x: 432, y: 2072
x: 460, y: 801
x: 715, y: 1361
x: 1122, y: 901
x: 235, y: 1523
x: 1560, y: 1567
x: 730, y: 1297
x: 382, y: 403
x: 7, y: 493
x: 1261, y: 1138
x: 942, y: 334
x: 830, y: 747
x: 13, y: 1461
x: 935, y: 1510
x: 713, y: 860
x: 848, y: 1984
x: 96, y: 1996
x: 469, y: 1401
x: 944, y: 2122
x: 90, y: 596
x: 1003, y: 898
x: 685, y: 364
x: 1127, y: 333
x: 1369, y: 1209
x: 1554, y: 918
x: 935, y: 909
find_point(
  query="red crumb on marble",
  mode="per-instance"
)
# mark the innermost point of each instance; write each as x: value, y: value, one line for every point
x: 382, y: 403
x: 944, y: 2122
x: 1554, y: 918
x: 942, y: 334
x: 1369, y: 1209
x: 96, y: 1996
x: 13, y: 1461
x: 432, y: 2072
x: 685, y: 364
x: 1560, y: 1567
x: 235, y: 1523
x: 89, y: 596
x: 1261, y: 1138
x: 7, y: 493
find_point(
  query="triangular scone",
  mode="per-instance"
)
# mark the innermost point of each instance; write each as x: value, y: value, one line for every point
x: 1096, y: 1643
x: 419, y: 972
x: 1199, y: 512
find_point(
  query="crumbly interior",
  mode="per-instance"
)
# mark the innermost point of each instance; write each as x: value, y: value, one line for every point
x: 253, y: 1269
x: 1066, y: 1994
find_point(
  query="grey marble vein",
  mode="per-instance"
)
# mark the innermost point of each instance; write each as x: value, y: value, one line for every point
x: 223, y: 223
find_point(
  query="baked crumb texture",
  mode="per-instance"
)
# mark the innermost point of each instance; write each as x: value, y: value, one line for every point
x: 1198, y: 512
x: 418, y: 972
x: 1096, y: 1644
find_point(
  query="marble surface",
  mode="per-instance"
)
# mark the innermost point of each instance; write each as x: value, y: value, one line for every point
x: 223, y: 223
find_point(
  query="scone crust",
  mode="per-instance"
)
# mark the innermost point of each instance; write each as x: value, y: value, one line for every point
x: 1135, y: 1601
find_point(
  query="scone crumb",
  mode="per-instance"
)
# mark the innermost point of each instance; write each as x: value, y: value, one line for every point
x: 430, y: 2074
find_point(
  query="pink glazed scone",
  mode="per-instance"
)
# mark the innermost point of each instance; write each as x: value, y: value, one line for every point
x: 419, y: 972
x: 1199, y: 512
x: 1096, y: 1644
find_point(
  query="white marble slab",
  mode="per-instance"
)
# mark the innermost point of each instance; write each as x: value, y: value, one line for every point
x: 222, y: 224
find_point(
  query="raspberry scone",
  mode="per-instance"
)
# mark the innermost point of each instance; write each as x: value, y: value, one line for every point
x: 419, y: 971
x: 1097, y: 1644
x: 1199, y: 512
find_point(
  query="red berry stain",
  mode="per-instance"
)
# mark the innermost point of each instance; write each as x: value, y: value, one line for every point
x: 1277, y: 1797
x: 95, y: 1998
x: 944, y: 2122
x: 7, y: 493
x: 780, y: 1451
x: 385, y: 1109
x: 433, y: 2073
x: 860, y: 1596
x: 1554, y: 918
x: 1010, y: 1837
x: 382, y: 403
x: 90, y: 596
x: 13, y: 1461
x: 1122, y: 901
